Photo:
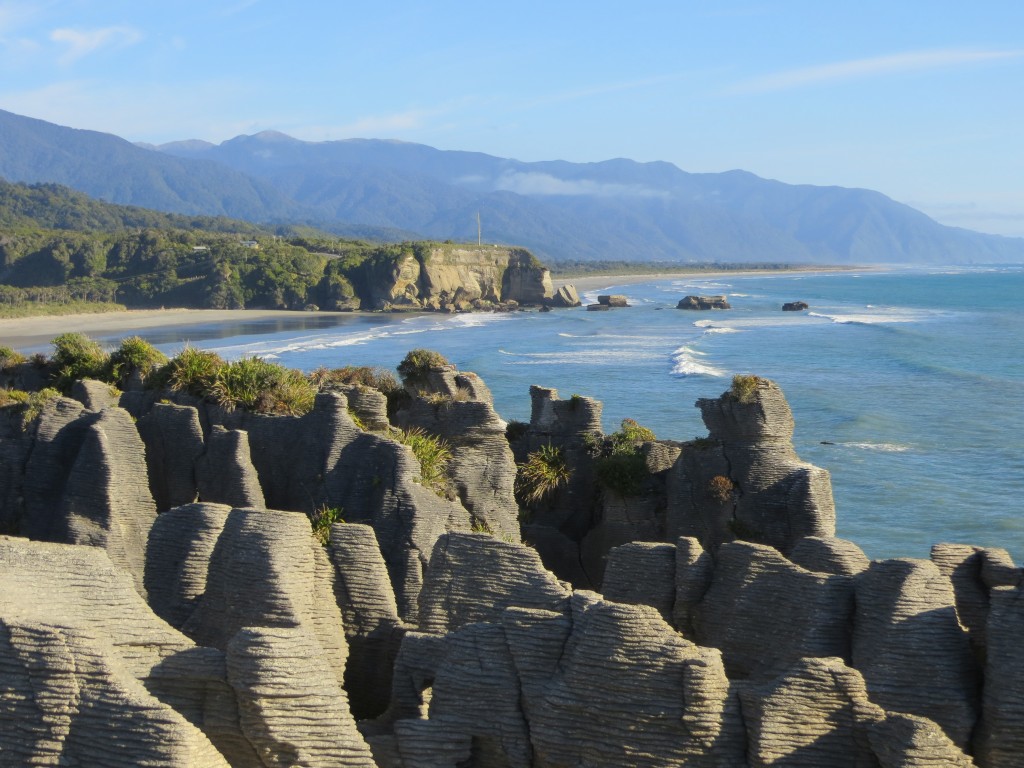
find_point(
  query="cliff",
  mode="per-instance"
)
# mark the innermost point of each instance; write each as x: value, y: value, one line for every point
x: 453, y: 277
x: 179, y: 610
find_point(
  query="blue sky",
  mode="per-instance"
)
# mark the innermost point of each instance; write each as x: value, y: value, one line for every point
x: 923, y: 101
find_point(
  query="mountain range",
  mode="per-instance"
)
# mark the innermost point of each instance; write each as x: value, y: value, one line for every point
x: 615, y: 210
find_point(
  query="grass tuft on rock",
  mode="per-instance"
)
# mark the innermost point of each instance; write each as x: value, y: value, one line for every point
x: 134, y: 354
x: 415, y: 367
x: 433, y: 455
x: 543, y: 472
x: 257, y: 385
x: 76, y: 356
x: 744, y: 387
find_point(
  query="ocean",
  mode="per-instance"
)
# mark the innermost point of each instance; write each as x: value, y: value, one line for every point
x: 905, y: 385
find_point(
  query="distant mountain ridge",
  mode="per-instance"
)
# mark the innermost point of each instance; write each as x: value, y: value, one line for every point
x: 615, y: 209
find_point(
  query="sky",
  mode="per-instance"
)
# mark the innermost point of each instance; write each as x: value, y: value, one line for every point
x: 922, y: 100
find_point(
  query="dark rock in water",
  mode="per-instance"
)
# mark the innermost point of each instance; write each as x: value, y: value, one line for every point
x: 613, y: 300
x: 566, y: 296
x: 598, y: 307
x: 703, y: 302
x: 795, y: 306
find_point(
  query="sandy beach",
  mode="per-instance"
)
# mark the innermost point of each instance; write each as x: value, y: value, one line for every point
x: 25, y: 333
x: 30, y: 332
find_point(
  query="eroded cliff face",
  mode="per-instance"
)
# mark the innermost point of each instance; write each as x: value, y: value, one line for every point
x: 226, y: 634
x: 457, y: 277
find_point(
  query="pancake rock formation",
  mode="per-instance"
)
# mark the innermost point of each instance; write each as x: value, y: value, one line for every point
x: 170, y: 594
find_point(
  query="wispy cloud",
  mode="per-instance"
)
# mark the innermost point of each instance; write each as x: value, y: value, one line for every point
x: 545, y: 184
x: 912, y: 61
x: 375, y: 126
x: 82, y: 42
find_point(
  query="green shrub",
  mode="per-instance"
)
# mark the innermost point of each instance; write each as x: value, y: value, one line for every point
x: 433, y: 455
x: 76, y: 356
x: 10, y: 358
x: 416, y: 365
x: 256, y: 385
x: 516, y: 430
x: 191, y: 370
x: 323, y: 518
x: 541, y: 474
x: 623, y: 468
x: 134, y: 354
x: 623, y: 473
x: 30, y: 403
x: 364, y: 375
x: 744, y: 387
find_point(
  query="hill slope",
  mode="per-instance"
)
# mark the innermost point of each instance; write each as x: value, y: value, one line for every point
x: 617, y: 209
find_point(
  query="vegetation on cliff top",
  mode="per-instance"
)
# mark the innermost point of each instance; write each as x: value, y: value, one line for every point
x: 63, y: 250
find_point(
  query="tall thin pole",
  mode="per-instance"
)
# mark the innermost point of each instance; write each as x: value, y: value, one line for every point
x: 479, y: 241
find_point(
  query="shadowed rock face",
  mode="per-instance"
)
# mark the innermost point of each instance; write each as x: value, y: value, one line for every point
x: 174, y: 441
x: 1000, y: 742
x: 772, y: 497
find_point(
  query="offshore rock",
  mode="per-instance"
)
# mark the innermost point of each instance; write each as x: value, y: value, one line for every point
x: 566, y: 296
x: 703, y: 302
x: 613, y: 300
x: 795, y: 306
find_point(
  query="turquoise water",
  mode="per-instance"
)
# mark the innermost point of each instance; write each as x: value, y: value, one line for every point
x: 905, y: 385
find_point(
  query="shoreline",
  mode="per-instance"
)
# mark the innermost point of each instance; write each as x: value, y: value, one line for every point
x: 33, y: 333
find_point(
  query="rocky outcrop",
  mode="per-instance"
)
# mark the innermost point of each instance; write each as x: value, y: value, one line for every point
x: 106, y: 500
x: 795, y: 306
x: 613, y: 300
x: 373, y: 629
x: 810, y: 613
x: 457, y: 408
x: 745, y: 480
x: 454, y: 277
x: 703, y: 302
x: 566, y: 296
x: 910, y: 648
x: 225, y: 473
x: 174, y: 441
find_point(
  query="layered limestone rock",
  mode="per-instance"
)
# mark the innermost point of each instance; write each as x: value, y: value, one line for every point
x: 556, y: 524
x: 473, y: 577
x: 818, y: 715
x: 267, y: 570
x: 455, y: 276
x: 174, y: 441
x: 373, y: 629
x: 291, y: 708
x: 746, y: 481
x: 910, y: 647
x: 642, y: 573
x: 225, y: 473
x: 809, y: 612
x: 1000, y: 740
x: 482, y: 469
x: 181, y: 545
x: 974, y: 573
x: 65, y: 701
x: 95, y: 655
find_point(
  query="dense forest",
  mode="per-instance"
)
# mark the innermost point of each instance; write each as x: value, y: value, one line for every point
x: 57, y: 245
